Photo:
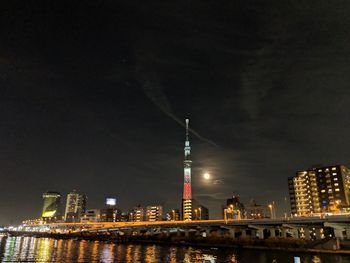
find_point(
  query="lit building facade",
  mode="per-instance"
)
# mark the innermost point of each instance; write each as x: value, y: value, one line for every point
x: 107, y: 215
x: 75, y: 206
x: 333, y: 188
x: 91, y: 215
x: 138, y: 214
x: 234, y: 209
x: 51, y: 207
x: 303, y: 194
x: 255, y: 211
x: 173, y: 215
x: 320, y: 190
x: 154, y: 213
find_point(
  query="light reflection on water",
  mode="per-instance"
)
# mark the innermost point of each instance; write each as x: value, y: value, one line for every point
x: 24, y: 249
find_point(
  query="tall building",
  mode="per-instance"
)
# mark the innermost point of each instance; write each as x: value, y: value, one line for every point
x: 51, y: 207
x: 320, y: 190
x: 303, y: 193
x: 107, y: 215
x: 234, y: 209
x: 255, y: 211
x: 154, y: 213
x: 333, y: 188
x: 138, y: 214
x: 199, y: 212
x: 173, y: 215
x: 92, y: 215
x: 187, y: 190
x: 75, y: 206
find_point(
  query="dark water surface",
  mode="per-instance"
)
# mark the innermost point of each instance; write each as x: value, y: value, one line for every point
x: 30, y: 249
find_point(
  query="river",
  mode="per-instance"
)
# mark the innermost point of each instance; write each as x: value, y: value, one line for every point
x: 30, y: 249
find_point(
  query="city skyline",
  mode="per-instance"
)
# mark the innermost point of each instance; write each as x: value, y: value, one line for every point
x: 93, y: 97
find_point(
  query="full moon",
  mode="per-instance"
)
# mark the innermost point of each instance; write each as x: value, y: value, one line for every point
x: 206, y: 176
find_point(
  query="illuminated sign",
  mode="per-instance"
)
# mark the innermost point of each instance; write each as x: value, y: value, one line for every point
x: 111, y: 201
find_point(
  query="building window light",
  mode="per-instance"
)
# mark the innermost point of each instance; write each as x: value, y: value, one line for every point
x: 337, y: 189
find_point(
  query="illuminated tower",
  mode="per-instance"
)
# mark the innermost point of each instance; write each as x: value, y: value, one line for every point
x: 187, y: 167
x: 187, y: 194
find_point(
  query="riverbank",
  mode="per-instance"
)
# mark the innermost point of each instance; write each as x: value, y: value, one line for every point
x: 332, y: 246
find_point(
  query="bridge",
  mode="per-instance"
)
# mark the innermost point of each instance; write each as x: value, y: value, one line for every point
x: 305, y: 228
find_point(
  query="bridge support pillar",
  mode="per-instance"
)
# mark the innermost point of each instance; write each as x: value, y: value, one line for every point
x: 347, y: 230
x: 151, y: 232
x: 318, y: 232
x: 187, y: 233
x: 295, y: 233
x: 260, y: 233
x: 232, y: 232
x: 307, y: 235
x: 338, y: 233
x: 244, y: 233
x: 272, y: 232
x: 284, y: 232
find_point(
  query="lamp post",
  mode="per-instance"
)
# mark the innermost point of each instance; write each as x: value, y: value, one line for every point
x: 231, y: 206
x: 225, y: 215
x: 200, y: 213
x: 270, y: 206
x: 196, y: 213
x: 174, y: 219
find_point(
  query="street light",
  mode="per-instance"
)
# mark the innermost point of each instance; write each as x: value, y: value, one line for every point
x: 271, y: 207
x: 196, y: 213
x: 200, y: 213
x: 231, y: 210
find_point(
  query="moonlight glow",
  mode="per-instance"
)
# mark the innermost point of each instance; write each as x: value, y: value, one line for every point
x: 206, y: 176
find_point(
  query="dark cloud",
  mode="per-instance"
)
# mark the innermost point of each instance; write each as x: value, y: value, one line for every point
x: 93, y: 97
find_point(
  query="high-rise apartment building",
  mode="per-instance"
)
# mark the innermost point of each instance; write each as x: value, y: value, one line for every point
x: 320, y: 190
x: 138, y: 214
x: 154, y: 213
x: 51, y: 207
x: 303, y: 193
x: 75, y: 206
x: 333, y: 188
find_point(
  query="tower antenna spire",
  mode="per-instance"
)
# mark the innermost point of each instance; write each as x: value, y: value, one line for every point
x: 187, y: 133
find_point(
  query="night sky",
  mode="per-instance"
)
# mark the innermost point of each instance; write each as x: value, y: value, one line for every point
x: 93, y: 95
